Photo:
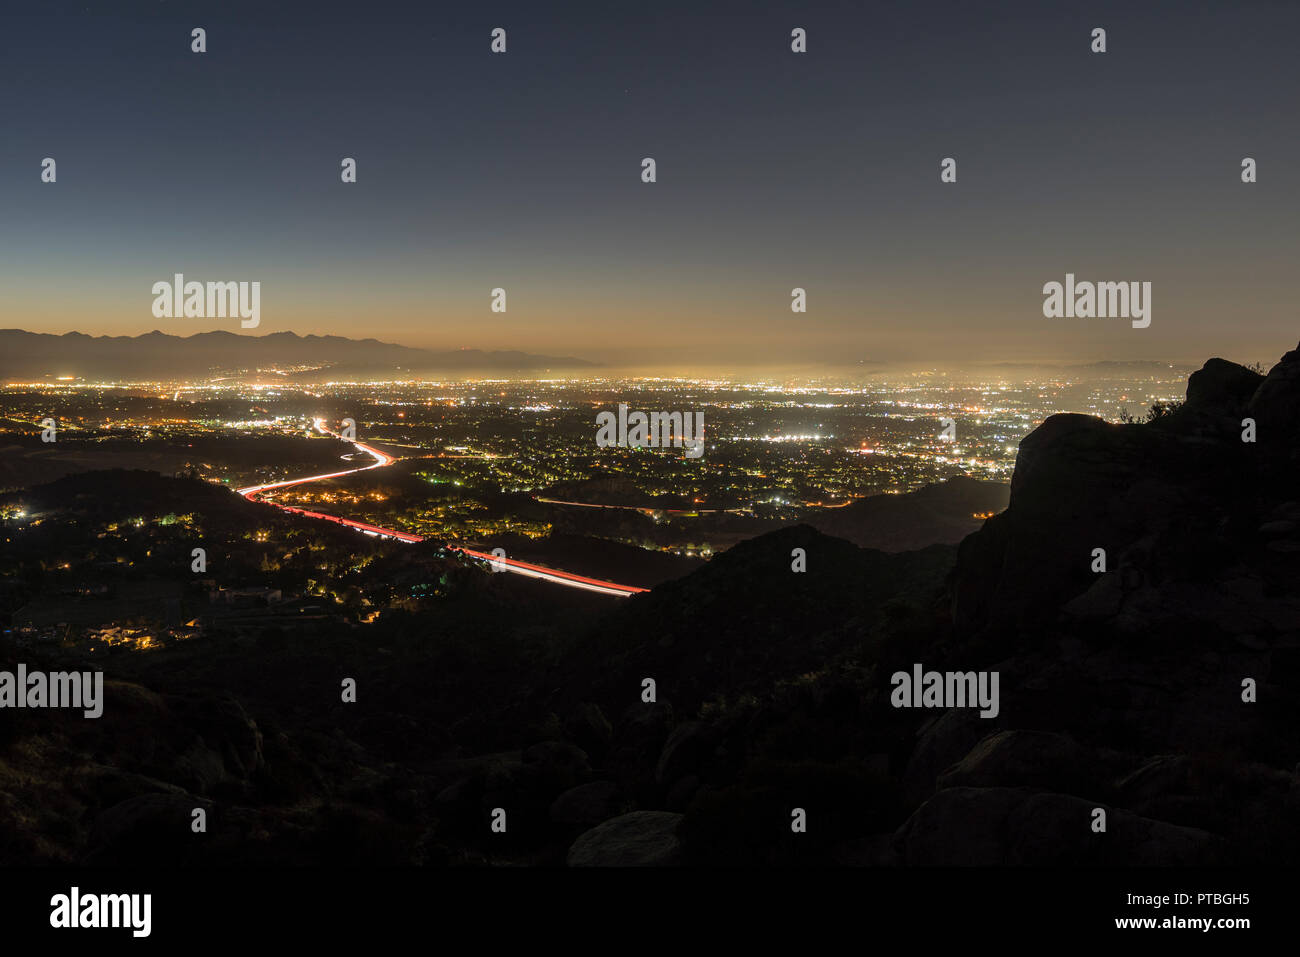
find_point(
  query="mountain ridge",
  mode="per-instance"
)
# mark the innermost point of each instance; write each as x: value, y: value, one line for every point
x: 159, y: 355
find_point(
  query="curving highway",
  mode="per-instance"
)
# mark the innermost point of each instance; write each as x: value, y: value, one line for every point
x: 382, y: 459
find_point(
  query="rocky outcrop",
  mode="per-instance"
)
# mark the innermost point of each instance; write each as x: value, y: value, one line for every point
x: 1158, y: 686
x: 1168, y: 501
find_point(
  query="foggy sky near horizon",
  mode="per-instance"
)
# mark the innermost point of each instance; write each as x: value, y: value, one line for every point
x: 775, y: 170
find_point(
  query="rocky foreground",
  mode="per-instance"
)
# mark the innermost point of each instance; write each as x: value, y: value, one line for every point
x: 1161, y: 688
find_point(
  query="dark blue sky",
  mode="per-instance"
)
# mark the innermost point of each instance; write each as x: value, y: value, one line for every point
x: 775, y: 170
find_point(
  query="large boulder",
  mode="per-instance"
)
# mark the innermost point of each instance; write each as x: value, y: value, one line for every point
x: 1221, y: 387
x: 638, y: 839
x: 1023, y: 759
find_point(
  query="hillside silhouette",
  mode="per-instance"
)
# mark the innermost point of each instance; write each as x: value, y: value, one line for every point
x: 1122, y: 689
x: 945, y: 512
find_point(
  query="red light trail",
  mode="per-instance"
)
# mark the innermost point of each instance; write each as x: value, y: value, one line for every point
x: 382, y: 459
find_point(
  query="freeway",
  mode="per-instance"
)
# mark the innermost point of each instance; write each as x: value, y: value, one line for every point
x: 555, y: 575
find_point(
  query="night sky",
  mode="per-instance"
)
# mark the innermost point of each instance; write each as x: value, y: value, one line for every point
x: 775, y: 170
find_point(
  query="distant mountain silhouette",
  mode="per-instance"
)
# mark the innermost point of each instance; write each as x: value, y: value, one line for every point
x: 158, y: 356
x: 1122, y: 365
